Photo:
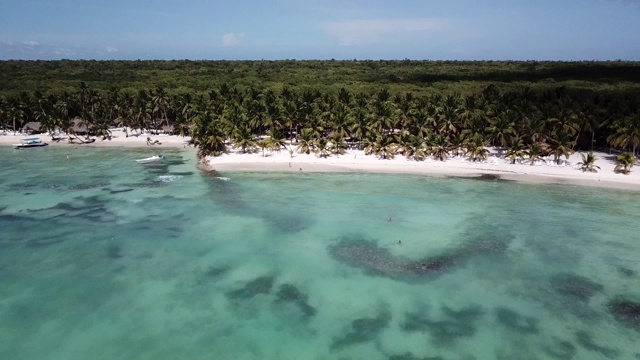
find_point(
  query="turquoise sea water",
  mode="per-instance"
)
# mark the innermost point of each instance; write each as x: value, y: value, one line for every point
x: 104, y: 258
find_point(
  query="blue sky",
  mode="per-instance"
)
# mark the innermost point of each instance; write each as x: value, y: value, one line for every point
x: 321, y: 29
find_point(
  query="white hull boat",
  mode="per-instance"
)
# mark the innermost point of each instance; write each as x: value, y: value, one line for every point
x: 29, y: 143
x: 150, y: 160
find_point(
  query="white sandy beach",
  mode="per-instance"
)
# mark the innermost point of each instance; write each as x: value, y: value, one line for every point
x: 356, y: 161
x: 119, y: 138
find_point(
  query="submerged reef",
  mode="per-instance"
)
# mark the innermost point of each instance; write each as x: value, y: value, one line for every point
x: 114, y: 251
x: 626, y: 312
x: 561, y: 350
x: 453, y: 325
x: 375, y: 260
x: 261, y: 285
x: 586, y: 341
x: 516, y: 322
x: 91, y: 209
x: 288, y: 293
x: 576, y: 287
x: 363, y: 330
x: 626, y: 272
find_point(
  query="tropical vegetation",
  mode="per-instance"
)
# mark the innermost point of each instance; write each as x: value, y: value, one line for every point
x: 588, y: 162
x: 624, y: 162
x: 528, y: 110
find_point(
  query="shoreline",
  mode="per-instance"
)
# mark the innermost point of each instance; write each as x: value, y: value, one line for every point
x: 356, y: 162
x: 119, y: 138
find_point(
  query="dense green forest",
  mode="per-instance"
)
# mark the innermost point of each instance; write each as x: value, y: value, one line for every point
x: 418, y: 77
x: 412, y: 108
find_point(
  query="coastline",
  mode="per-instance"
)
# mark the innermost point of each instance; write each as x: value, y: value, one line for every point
x: 356, y: 161
x: 118, y: 138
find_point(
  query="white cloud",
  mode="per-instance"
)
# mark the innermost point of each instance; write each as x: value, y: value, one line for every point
x: 30, y: 43
x: 232, y: 39
x: 111, y: 50
x: 360, y: 32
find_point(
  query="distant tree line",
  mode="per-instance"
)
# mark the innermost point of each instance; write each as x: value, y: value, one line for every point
x: 419, y: 77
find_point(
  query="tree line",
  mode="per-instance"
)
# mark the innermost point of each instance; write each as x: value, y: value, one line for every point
x: 398, y: 76
x: 524, y: 123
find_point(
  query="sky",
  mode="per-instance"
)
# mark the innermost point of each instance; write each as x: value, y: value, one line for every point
x: 320, y: 29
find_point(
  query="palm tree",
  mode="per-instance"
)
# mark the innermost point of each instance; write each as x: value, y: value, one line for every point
x: 627, y: 132
x: 369, y: 142
x: 625, y: 162
x: 338, y: 145
x: 476, y: 150
x: 359, y: 124
x: 264, y: 144
x: 534, y: 151
x: 447, y: 118
x: 243, y: 138
x: 341, y: 120
x: 305, y: 141
x: 208, y: 135
x: 15, y: 112
x: 562, y: 145
x: 502, y: 128
x: 588, y: 162
x: 322, y: 147
x: 516, y: 151
x: 276, y: 140
x: 439, y: 146
x: 101, y: 128
x: 415, y: 148
x: 385, y: 146
x: 459, y: 142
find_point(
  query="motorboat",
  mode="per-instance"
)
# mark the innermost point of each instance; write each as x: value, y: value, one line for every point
x: 150, y: 160
x: 29, y: 143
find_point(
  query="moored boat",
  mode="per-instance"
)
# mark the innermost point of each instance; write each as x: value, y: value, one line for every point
x: 30, y: 142
x: 151, y: 159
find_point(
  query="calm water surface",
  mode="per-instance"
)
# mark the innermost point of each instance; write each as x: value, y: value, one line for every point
x: 104, y: 258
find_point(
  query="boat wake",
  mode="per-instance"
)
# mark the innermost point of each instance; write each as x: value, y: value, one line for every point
x: 168, y: 178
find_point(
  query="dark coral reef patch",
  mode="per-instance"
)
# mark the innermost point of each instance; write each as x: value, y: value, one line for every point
x: 261, y: 285
x: 363, y: 330
x: 625, y: 311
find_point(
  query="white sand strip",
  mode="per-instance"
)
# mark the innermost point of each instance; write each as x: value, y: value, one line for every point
x: 356, y: 161
x: 119, y: 138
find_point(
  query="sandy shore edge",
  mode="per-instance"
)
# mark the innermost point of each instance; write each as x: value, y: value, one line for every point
x: 119, y: 138
x: 357, y: 161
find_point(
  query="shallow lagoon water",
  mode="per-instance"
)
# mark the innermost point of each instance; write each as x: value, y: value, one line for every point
x: 101, y: 257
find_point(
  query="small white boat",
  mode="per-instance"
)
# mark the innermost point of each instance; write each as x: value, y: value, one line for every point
x: 150, y: 160
x: 29, y: 143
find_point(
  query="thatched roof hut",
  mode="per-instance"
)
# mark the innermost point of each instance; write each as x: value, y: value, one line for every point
x: 32, y: 127
x: 79, y: 126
